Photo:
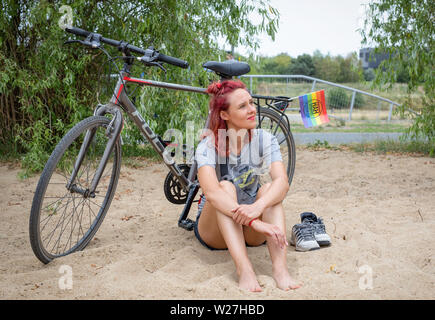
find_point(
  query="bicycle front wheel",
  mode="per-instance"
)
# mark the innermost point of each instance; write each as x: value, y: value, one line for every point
x: 273, y: 122
x: 63, y: 221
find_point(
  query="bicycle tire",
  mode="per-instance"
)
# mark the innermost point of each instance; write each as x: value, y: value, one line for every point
x: 50, y: 183
x: 270, y: 120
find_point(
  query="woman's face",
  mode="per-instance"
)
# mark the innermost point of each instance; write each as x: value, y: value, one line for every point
x: 242, y: 111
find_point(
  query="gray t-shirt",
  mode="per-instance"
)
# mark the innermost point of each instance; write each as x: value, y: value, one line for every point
x: 243, y: 169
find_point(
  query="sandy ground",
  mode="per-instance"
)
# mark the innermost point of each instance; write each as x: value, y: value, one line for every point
x: 378, y: 210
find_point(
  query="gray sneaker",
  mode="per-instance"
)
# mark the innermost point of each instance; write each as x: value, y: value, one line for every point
x: 303, y: 237
x: 322, y: 238
x: 320, y: 234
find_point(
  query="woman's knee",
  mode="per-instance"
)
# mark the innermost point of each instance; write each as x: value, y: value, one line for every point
x: 263, y: 189
x: 228, y: 186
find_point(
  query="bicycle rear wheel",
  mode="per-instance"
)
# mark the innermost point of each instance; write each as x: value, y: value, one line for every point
x: 272, y: 122
x: 64, y: 221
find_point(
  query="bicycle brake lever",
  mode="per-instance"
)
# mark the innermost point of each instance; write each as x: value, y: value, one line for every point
x: 147, y: 60
x: 73, y: 41
x: 92, y: 40
x: 160, y: 66
x: 85, y: 43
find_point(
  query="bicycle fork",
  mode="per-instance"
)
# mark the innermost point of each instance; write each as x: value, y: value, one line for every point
x: 113, y: 131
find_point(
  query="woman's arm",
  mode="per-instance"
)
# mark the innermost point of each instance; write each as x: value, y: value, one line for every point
x: 214, y: 192
x: 278, y: 188
x: 275, y: 194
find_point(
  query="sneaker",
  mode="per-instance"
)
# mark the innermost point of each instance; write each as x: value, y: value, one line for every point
x: 303, y: 237
x: 320, y: 234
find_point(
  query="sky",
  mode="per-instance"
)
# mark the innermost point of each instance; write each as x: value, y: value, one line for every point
x: 308, y: 25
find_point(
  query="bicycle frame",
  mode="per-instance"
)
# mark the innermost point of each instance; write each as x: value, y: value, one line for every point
x: 120, y: 100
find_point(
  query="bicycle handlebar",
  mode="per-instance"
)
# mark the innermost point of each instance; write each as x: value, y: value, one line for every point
x: 159, y: 57
x: 174, y: 61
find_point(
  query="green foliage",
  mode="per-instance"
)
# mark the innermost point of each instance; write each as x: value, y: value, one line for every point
x: 303, y: 65
x: 334, y: 69
x: 359, y: 100
x: 391, y: 146
x: 405, y: 30
x: 280, y: 64
x: 369, y: 74
x: 319, y: 145
x: 327, y: 67
x: 350, y: 70
x: 46, y: 87
x: 337, y: 98
x: 337, y: 69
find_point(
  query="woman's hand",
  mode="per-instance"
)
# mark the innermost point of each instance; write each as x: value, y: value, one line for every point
x: 244, y: 213
x: 270, y: 230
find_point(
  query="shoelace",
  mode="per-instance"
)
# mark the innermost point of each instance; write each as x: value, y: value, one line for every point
x: 306, y: 231
x: 318, y: 225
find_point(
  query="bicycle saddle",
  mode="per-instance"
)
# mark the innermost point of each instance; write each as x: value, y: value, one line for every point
x: 228, y: 68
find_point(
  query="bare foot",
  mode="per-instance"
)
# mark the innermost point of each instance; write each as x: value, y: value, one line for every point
x: 284, y: 281
x: 248, y: 281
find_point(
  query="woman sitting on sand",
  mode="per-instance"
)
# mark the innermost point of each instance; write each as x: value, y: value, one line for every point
x: 235, y: 211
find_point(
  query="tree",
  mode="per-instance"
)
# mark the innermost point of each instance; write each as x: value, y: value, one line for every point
x: 405, y: 30
x: 46, y: 87
x: 279, y: 64
x: 349, y: 68
x: 304, y: 65
x: 369, y: 74
x: 327, y: 67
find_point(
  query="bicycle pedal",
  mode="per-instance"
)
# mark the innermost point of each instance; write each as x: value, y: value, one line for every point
x: 186, y: 224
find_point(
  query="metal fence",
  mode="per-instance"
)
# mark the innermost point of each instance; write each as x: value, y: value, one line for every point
x: 343, y: 102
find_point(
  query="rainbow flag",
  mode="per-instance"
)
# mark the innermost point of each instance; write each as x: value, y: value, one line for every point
x: 313, y: 108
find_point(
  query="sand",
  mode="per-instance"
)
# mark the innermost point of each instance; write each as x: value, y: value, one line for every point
x: 378, y: 209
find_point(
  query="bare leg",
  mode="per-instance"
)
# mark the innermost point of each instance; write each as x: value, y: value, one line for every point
x: 221, y: 231
x: 278, y: 255
x: 275, y: 215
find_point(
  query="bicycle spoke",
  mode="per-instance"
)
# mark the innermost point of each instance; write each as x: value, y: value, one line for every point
x: 54, y: 201
x: 58, y: 221
x: 62, y: 228
x: 89, y: 204
x: 80, y: 222
x: 64, y: 220
x: 50, y: 216
x: 94, y: 203
x: 77, y: 220
x: 90, y: 217
x: 72, y: 226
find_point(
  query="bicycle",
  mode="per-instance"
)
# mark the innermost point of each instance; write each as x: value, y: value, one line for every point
x: 78, y: 182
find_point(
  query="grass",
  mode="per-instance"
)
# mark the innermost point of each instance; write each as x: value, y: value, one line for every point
x: 396, y: 147
x: 141, y: 151
x: 351, y: 127
x: 363, y: 126
x: 390, y: 147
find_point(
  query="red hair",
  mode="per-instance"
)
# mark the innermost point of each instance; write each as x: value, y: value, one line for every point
x: 218, y: 102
